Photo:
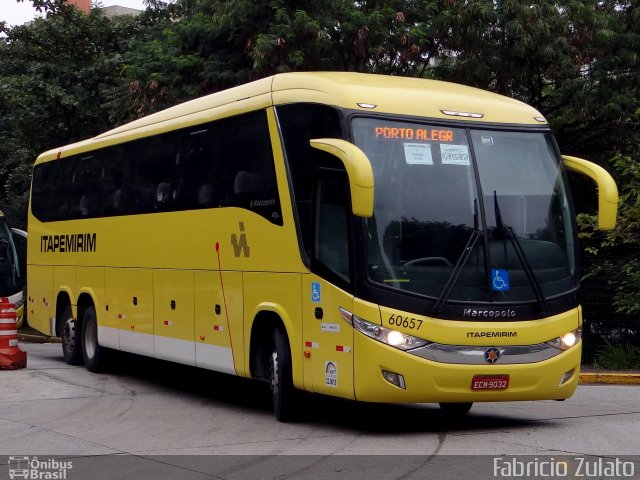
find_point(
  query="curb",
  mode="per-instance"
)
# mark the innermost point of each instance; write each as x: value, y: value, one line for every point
x: 610, y: 378
x: 31, y: 338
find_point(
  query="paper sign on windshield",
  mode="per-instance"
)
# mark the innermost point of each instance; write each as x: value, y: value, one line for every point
x: 454, y: 154
x: 418, y: 154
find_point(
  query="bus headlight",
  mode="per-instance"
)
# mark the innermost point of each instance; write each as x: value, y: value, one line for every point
x: 396, y: 339
x: 566, y: 341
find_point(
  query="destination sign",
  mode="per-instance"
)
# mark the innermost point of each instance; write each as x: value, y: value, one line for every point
x: 419, y: 134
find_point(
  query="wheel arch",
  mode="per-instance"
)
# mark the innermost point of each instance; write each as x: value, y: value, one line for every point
x: 63, y: 300
x: 266, y: 319
x: 85, y: 300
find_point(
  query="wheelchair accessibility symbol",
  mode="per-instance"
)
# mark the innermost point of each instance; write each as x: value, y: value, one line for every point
x: 315, y: 292
x: 500, y: 280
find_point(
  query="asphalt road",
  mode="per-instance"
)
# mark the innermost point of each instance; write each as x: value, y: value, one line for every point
x: 145, y: 407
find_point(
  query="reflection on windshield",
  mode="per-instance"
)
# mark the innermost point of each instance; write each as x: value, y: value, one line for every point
x: 427, y: 206
x: 10, y: 281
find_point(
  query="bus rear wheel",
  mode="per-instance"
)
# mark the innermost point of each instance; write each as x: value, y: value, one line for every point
x: 455, y: 409
x: 92, y: 353
x: 70, y: 335
x: 281, y: 380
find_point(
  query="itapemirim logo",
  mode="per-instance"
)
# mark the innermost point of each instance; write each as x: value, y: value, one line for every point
x: 32, y: 468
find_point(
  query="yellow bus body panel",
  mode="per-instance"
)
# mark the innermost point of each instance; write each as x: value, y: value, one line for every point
x: 40, y: 302
x: 219, y: 320
x: 328, y: 339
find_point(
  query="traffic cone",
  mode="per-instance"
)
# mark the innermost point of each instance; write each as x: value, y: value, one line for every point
x: 11, y: 357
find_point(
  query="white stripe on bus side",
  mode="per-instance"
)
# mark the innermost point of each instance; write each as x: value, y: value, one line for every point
x: 211, y: 357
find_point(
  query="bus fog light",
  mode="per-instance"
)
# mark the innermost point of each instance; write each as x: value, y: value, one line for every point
x: 566, y: 377
x: 394, y: 378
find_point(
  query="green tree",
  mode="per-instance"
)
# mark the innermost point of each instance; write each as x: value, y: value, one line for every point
x: 55, y: 77
x: 618, y: 250
x: 207, y: 46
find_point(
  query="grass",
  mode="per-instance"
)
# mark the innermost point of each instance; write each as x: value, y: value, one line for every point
x: 618, y: 356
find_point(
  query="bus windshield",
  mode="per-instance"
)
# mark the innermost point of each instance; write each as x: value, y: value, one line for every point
x: 10, y: 281
x: 485, y: 210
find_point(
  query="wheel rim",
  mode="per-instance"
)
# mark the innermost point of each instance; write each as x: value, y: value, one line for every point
x: 274, y: 373
x: 69, y: 335
x: 90, y: 339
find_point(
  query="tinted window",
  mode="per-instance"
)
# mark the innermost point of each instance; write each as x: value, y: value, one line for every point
x: 199, y: 168
x: 299, y: 123
x: 331, y: 245
x: 154, y: 181
x: 249, y: 175
x: 223, y: 163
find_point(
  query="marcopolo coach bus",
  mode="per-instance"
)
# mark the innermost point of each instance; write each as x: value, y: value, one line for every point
x: 374, y: 238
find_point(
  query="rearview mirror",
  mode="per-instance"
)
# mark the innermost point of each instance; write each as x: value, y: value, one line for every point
x: 607, y: 189
x: 359, y: 171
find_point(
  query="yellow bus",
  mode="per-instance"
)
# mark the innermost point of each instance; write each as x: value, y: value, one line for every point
x: 375, y: 238
x: 11, y: 276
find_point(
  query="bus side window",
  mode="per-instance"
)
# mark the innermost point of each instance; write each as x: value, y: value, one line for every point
x: 117, y: 176
x: 44, y: 188
x: 83, y: 198
x: 65, y: 199
x: 155, y: 162
x: 299, y: 123
x: 331, y: 245
x: 198, y: 167
x: 250, y: 178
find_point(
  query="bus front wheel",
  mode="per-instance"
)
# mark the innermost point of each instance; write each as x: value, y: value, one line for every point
x: 92, y: 353
x: 281, y: 380
x: 70, y: 335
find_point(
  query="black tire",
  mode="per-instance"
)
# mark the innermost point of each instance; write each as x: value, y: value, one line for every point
x: 456, y: 409
x: 70, y: 335
x: 281, y: 379
x: 92, y: 353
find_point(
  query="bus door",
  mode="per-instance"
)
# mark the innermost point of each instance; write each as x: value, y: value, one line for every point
x: 328, y: 339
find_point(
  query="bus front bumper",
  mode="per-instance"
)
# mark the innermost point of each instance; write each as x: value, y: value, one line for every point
x: 427, y: 381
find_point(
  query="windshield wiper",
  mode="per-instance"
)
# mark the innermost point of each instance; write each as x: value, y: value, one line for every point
x: 522, y: 257
x: 457, y: 270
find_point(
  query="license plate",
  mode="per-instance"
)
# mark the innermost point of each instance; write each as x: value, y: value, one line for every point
x: 490, y: 382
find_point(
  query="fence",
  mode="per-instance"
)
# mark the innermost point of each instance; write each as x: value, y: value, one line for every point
x: 602, y: 323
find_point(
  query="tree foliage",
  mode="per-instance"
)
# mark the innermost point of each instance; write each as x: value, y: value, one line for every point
x: 69, y: 76
x: 618, y: 251
x: 56, y: 75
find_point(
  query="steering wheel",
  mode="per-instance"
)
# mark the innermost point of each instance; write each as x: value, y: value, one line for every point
x: 442, y: 260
